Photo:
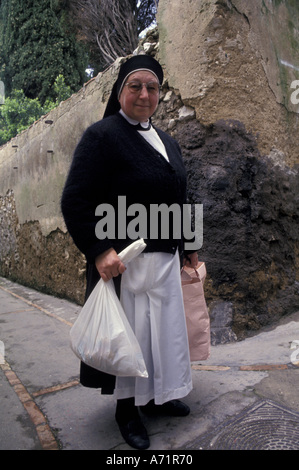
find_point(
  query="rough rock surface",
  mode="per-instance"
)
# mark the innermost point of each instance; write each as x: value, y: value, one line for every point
x: 238, y: 62
x: 251, y: 220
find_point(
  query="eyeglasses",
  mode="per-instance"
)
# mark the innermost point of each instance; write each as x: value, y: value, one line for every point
x: 153, y: 88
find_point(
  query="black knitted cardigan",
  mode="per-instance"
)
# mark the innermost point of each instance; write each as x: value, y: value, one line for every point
x: 112, y: 159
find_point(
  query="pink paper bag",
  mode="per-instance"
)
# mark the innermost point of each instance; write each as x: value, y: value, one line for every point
x: 197, y: 315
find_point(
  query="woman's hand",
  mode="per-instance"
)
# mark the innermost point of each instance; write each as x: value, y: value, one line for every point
x: 109, y: 265
x: 191, y: 260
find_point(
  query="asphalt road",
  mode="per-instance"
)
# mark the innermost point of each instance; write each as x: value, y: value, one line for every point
x: 245, y: 396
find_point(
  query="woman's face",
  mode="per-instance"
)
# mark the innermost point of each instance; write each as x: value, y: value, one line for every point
x: 141, y: 105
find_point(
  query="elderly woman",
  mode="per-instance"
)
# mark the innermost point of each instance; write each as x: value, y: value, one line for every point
x: 125, y: 155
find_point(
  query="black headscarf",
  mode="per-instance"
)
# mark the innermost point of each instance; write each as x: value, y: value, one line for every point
x: 138, y: 62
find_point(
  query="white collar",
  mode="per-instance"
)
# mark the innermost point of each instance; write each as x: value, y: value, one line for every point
x: 132, y: 121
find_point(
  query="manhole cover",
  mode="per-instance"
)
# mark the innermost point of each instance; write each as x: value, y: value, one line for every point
x: 264, y: 426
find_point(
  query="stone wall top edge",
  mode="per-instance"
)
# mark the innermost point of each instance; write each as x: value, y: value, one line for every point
x: 88, y: 88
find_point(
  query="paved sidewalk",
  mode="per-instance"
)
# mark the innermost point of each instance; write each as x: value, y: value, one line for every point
x: 245, y: 396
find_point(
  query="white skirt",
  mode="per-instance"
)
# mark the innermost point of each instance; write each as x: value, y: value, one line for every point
x: 151, y: 296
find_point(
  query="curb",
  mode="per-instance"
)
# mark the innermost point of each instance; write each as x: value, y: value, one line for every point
x: 45, y: 435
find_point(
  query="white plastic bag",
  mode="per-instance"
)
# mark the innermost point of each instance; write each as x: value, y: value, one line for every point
x: 102, y: 336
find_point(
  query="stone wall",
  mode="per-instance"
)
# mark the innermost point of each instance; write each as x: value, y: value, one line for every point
x: 232, y: 57
x: 35, y: 248
x: 237, y: 62
x: 226, y: 99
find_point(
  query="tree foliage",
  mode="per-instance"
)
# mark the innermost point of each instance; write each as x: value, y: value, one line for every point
x: 111, y: 28
x: 36, y: 46
x: 46, y: 46
x: 18, y: 111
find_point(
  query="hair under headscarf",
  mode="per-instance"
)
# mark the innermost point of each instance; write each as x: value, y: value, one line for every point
x: 135, y: 63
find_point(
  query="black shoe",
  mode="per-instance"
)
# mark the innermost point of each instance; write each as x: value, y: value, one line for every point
x: 135, y: 434
x: 170, y: 408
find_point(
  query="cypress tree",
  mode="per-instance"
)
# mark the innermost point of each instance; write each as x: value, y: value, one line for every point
x: 36, y: 45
